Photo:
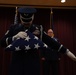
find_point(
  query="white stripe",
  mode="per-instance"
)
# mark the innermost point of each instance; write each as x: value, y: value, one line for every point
x: 60, y: 48
x: 7, y: 41
x: 13, y: 38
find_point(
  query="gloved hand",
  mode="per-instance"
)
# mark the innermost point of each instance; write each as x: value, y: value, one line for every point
x: 71, y: 55
x: 20, y: 35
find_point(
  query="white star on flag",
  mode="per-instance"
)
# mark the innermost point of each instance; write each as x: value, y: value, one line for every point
x: 36, y: 46
x: 36, y: 37
x: 27, y: 38
x: 27, y: 47
x: 17, y: 48
x: 45, y: 45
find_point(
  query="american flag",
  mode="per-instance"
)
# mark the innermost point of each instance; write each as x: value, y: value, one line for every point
x: 29, y: 43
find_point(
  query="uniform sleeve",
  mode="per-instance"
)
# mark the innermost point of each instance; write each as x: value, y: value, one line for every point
x: 53, y: 44
x: 7, y: 38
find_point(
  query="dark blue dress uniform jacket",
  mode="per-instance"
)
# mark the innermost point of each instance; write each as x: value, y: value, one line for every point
x: 23, y: 63
x: 27, y: 63
x: 51, y: 54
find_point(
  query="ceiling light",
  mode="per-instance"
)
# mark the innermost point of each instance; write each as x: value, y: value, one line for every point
x: 63, y: 1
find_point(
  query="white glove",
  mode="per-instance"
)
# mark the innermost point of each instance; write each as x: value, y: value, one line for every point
x: 71, y: 55
x: 20, y: 35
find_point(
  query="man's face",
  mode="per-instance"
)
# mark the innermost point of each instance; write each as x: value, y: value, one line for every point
x: 25, y: 20
x: 50, y: 33
x: 26, y: 24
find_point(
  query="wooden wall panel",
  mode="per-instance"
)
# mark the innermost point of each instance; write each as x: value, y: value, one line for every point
x: 38, y: 2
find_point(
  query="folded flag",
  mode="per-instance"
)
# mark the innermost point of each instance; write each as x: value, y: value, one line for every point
x: 30, y: 42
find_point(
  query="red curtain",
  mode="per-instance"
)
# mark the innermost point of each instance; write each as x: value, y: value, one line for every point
x: 6, y: 18
x: 42, y: 17
x: 65, y: 30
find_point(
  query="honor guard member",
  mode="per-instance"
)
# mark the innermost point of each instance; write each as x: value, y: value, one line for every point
x: 28, y: 63
x: 23, y: 62
x: 50, y: 58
